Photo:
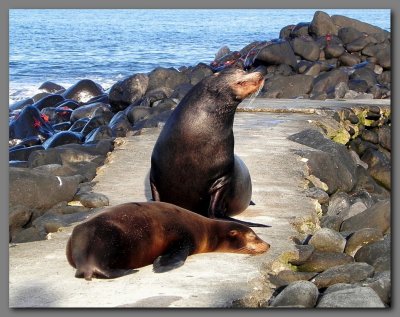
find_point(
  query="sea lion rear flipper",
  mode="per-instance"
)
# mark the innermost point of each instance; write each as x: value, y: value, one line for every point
x: 171, y: 260
x: 249, y: 224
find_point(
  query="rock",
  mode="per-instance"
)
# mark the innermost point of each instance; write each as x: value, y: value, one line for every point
x: 21, y: 104
x: 277, y: 53
x: 83, y: 91
x: 372, y: 252
x: 331, y: 222
x: 22, y: 154
x: 126, y: 92
x: 381, y: 284
x: 384, y: 78
x: 100, y: 133
x: 326, y: 82
x: 27, y: 235
x: 316, y: 193
x: 300, y: 29
x: 88, y: 111
x: 303, y: 253
x: 301, y: 293
x: 354, y: 209
x: 377, y: 216
x: 358, y: 44
x: 50, y: 87
x: 381, y: 52
x: 286, y: 277
x: 321, y: 261
x: 287, y: 87
x: 358, y: 297
x: 348, y: 59
x: 120, y: 124
x: 63, y: 137
x: 366, y: 74
x: 349, y: 34
x: 18, y: 217
x: 358, y: 85
x: 347, y: 273
x: 340, y: 90
x: 154, y: 121
x: 93, y: 200
x: 181, y: 90
x: 332, y: 164
x: 384, y: 137
x: 306, y: 48
x: 48, y: 101
x: 327, y: 240
x: 313, y: 70
x: 333, y: 51
x: 199, y: 72
x: 379, y: 167
x: 343, y: 21
x: 165, y: 77
x: 286, y: 31
x: 38, y: 190
x: 29, y: 123
x: 322, y: 24
x: 361, y: 238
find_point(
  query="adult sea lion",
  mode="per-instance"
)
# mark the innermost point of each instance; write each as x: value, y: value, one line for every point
x: 134, y: 235
x: 193, y: 163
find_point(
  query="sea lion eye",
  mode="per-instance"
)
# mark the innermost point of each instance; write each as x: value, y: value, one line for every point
x: 233, y: 233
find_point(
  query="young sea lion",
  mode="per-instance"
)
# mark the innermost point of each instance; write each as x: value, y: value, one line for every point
x: 193, y: 163
x: 134, y: 235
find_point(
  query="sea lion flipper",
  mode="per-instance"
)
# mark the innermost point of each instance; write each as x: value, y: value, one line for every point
x: 249, y: 224
x: 171, y: 260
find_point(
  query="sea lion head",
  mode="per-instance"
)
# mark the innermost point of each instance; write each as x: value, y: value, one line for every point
x: 242, y: 239
x: 236, y: 84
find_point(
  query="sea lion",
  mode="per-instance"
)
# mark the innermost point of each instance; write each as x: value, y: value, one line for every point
x: 193, y: 163
x: 133, y: 235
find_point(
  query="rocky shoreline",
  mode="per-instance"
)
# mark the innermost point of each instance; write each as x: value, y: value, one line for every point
x: 60, y: 137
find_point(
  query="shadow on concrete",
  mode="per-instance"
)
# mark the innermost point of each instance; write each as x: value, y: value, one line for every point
x: 37, y: 295
x: 147, y: 189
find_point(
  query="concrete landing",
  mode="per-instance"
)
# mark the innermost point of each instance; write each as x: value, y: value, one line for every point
x: 40, y: 275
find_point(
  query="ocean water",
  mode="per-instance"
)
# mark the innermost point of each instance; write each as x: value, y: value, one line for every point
x: 104, y: 45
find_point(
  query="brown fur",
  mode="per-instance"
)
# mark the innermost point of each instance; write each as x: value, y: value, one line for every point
x: 134, y: 235
x: 193, y: 163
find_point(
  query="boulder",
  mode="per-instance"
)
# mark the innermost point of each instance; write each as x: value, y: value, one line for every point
x: 126, y: 92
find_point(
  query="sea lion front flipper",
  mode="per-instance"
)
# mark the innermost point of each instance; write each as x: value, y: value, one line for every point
x: 171, y: 260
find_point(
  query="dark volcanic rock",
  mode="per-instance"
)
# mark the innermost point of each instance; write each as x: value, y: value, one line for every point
x: 88, y: 111
x: 286, y: 277
x: 83, y: 91
x: 39, y: 190
x: 361, y: 238
x: 100, y: 133
x: 277, y: 53
x: 128, y: 91
x: 332, y: 164
x: 379, y: 166
x: 349, y: 34
x: 365, y: 74
x: 358, y: 85
x: 328, y: 240
x: 166, y: 77
x: 384, y: 137
x: 374, y: 252
x: 339, y: 204
x: 321, y: 261
x: 22, y: 154
x: 63, y: 137
x: 377, y: 216
x: 48, y: 101
x: 306, y: 48
x: 287, y: 87
x: 343, y: 21
x: 327, y: 82
x: 381, y: 284
x: 299, y: 293
x: 347, y: 273
x: 51, y: 87
x: 347, y: 59
x: 331, y: 222
x: 93, y: 200
x: 199, y: 72
x: 304, y: 252
x: 120, y: 124
x: 358, y: 297
x: 322, y: 24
